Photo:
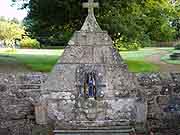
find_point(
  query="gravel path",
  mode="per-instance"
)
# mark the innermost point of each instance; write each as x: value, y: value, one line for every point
x: 164, y: 67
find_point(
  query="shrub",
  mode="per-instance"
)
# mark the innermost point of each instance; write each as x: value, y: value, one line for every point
x: 133, y: 46
x: 177, y: 47
x: 29, y: 43
x: 127, y: 46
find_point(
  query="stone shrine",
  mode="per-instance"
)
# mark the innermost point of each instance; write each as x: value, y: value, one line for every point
x: 90, y: 90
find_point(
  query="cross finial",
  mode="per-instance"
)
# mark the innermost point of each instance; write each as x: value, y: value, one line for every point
x: 90, y: 5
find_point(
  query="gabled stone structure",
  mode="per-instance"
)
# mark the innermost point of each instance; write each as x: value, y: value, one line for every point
x: 90, y: 86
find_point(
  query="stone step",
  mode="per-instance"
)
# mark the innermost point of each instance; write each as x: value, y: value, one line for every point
x: 121, y: 131
x: 107, y: 128
x: 4, y: 131
x: 110, y: 123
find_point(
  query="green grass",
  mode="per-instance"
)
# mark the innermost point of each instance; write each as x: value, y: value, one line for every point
x: 36, y: 60
x: 141, y: 66
x: 40, y: 60
x: 167, y: 59
x: 142, y: 53
x: 44, y: 60
x: 136, y: 59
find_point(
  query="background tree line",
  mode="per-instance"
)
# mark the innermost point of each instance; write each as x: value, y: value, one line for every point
x: 10, y: 30
x: 131, y: 23
x: 12, y: 33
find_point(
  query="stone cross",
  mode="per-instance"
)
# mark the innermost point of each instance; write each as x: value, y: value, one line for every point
x: 90, y: 5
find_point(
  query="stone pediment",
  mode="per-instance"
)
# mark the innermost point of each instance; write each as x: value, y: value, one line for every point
x: 91, y: 25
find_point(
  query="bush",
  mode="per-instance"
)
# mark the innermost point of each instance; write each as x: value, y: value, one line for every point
x: 30, y: 43
x: 177, y: 47
x: 127, y: 46
x: 133, y: 46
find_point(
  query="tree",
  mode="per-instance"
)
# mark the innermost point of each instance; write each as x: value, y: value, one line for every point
x: 129, y: 21
x: 176, y: 21
x: 15, y: 20
x: 9, y: 31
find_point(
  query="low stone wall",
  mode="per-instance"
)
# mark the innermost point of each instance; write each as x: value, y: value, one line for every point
x: 19, y: 93
x: 163, y: 95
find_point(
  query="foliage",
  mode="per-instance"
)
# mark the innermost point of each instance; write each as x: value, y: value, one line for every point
x: 9, y: 31
x: 127, y: 46
x: 131, y: 21
x: 176, y: 20
x: 29, y: 43
x: 53, y: 19
x: 177, y: 47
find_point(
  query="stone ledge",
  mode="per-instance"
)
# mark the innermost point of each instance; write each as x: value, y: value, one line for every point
x: 125, y: 131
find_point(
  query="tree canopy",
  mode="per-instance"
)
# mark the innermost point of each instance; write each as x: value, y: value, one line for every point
x: 132, y: 20
x: 10, y: 30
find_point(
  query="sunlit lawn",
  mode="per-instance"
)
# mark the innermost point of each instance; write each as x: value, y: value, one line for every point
x: 142, y: 53
x: 136, y: 59
x: 43, y: 60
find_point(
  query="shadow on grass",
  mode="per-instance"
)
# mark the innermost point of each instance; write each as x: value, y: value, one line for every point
x: 39, y: 63
x: 35, y: 60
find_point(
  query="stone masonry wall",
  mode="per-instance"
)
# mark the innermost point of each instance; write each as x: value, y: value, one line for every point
x: 19, y: 93
x: 163, y: 95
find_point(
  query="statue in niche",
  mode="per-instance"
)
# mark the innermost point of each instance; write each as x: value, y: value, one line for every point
x: 89, y: 86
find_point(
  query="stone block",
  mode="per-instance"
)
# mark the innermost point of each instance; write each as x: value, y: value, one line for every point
x: 42, y: 130
x: 162, y: 100
x: 4, y: 131
x: 27, y: 87
x: 91, y: 39
x: 29, y: 79
x: 41, y: 114
x: 85, y: 55
x: 3, y: 87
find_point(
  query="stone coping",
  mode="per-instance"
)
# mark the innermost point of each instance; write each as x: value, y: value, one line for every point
x: 95, y: 64
x: 81, y: 31
x: 94, y: 131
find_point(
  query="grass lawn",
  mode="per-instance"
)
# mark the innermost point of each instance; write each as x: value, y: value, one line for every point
x: 141, y: 66
x: 36, y: 60
x: 43, y: 60
x: 136, y: 59
x: 142, y: 53
x: 167, y: 59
